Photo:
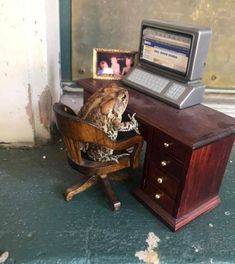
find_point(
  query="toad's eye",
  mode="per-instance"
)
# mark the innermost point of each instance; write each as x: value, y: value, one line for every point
x: 123, y: 97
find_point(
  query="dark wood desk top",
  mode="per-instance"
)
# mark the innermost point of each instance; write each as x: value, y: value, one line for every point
x: 195, y: 126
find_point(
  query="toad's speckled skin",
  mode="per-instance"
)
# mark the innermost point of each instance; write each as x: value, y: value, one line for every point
x: 105, y: 109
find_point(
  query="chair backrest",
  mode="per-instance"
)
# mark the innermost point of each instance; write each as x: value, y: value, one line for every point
x: 75, y: 131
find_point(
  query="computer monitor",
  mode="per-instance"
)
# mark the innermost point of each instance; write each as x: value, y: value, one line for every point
x: 178, y: 51
x: 171, y: 61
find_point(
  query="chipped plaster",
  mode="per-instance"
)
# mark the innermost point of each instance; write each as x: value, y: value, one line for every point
x: 45, y: 105
x: 29, y: 69
x: 28, y: 107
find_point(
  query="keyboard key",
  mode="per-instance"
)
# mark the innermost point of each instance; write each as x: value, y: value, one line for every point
x: 148, y: 80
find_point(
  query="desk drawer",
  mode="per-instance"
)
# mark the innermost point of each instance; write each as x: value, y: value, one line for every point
x: 170, y: 145
x: 166, y: 163
x: 162, y: 181
x: 160, y: 197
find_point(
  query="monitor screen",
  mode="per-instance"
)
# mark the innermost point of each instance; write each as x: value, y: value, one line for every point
x: 166, y: 49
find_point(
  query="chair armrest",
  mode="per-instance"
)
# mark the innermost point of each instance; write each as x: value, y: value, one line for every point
x: 136, y: 142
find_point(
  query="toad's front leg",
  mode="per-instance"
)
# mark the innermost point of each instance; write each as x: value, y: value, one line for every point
x: 130, y: 125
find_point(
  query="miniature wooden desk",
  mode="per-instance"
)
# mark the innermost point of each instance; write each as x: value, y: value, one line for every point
x: 186, y: 156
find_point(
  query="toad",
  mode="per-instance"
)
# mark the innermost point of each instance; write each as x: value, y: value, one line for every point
x: 104, y: 109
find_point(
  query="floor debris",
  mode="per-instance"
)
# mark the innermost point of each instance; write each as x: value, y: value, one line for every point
x: 227, y: 213
x: 4, y: 256
x: 150, y: 256
x: 197, y: 248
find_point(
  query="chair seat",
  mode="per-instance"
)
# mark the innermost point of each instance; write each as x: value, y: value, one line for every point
x: 99, y: 168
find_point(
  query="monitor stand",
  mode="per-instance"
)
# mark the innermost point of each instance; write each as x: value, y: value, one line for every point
x: 177, y: 94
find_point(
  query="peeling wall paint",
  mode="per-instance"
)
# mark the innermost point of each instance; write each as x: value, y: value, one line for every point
x: 116, y: 24
x: 29, y: 69
x: 28, y: 108
x: 14, y: 122
x: 45, y: 104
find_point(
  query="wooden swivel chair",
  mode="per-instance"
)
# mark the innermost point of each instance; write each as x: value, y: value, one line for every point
x: 75, y: 131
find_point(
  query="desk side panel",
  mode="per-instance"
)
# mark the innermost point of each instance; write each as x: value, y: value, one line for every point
x: 204, y: 176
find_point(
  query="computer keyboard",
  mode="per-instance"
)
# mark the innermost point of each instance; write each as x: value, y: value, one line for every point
x: 175, y: 93
x: 148, y: 80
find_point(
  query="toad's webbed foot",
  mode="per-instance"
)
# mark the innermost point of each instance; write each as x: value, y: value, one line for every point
x: 134, y: 123
x: 130, y: 125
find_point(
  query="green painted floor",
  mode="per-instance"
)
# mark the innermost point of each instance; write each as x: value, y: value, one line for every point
x: 38, y: 226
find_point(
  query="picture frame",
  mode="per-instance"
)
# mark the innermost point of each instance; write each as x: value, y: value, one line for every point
x: 112, y: 64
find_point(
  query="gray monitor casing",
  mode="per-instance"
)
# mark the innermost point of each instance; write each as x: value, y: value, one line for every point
x: 191, y: 80
x: 199, y: 49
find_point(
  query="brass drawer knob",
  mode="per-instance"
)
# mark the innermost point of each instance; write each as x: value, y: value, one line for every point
x: 164, y: 163
x: 157, y: 196
x: 167, y: 144
x: 160, y: 180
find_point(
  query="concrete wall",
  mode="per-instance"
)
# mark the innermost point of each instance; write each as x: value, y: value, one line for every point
x: 29, y: 69
x: 29, y: 50
x: 116, y: 24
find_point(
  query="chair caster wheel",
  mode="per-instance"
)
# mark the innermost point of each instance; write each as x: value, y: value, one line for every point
x: 116, y: 206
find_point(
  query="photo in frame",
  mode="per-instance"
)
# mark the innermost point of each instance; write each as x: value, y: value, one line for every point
x: 112, y: 64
